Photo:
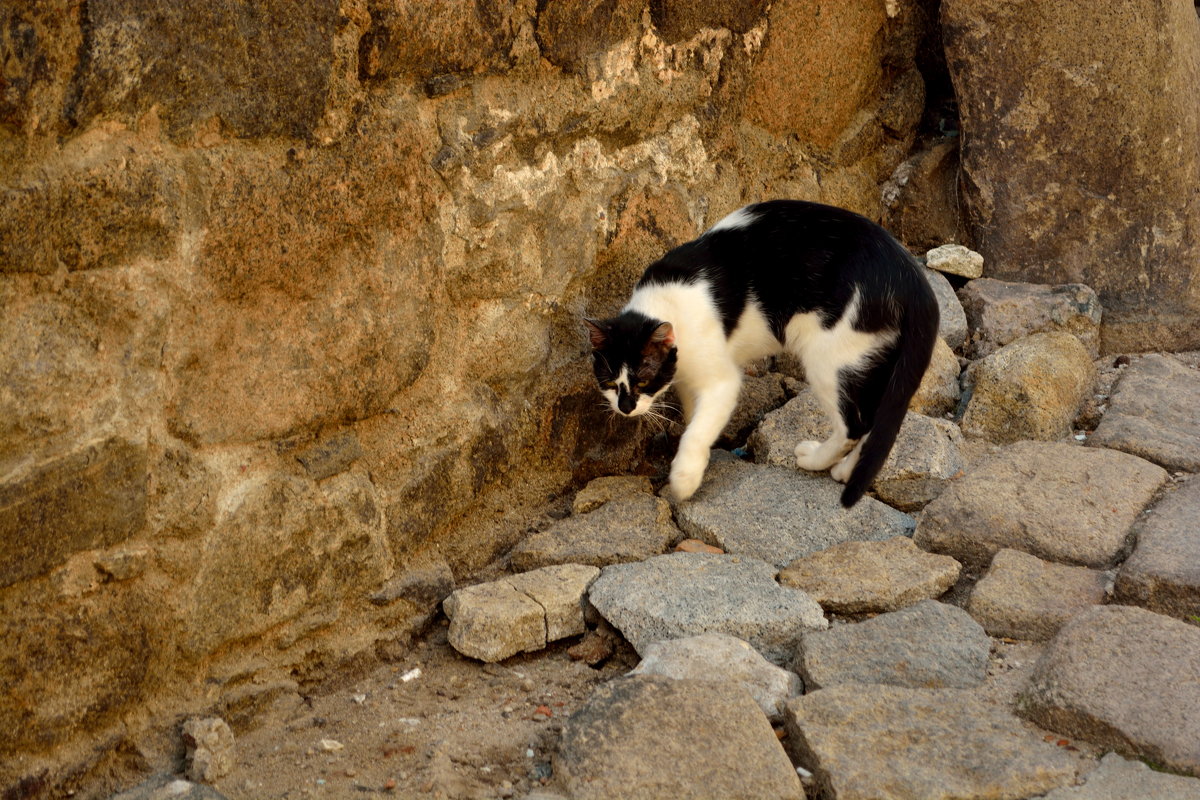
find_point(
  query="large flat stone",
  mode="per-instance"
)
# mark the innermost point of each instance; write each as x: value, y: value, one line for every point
x: 919, y: 744
x: 1000, y: 312
x: 925, y: 455
x: 1024, y: 597
x: 1043, y: 197
x: 1154, y: 414
x: 930, y: 645
x: 1031, y: 388
x: 1121, y: 779
x: 631, y: 528
x: 1163, y: 573
x: 648, y: 736
x: 721, y: 657
x: 1060, y: 502
x: 862, y: 577
x: 1123, y: 678
x: 685, y: 594
x: 91, y: 498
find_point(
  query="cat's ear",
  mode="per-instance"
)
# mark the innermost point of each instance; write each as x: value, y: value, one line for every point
x: 596, y: 333
x: 663, y: 335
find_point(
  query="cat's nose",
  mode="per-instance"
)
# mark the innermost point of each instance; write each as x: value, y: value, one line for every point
x: 625, y: 403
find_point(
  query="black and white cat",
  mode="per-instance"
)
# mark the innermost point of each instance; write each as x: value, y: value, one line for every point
x: 826, y: 284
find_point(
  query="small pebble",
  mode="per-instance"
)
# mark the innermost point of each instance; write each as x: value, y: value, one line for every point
x: 331, y: 745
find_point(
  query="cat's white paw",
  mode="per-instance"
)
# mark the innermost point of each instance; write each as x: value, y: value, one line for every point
x: 805, y: 456
x: 841, y: 470
x: 686, y: 475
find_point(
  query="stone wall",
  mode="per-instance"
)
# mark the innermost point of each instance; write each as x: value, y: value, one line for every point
x: 289, y: 300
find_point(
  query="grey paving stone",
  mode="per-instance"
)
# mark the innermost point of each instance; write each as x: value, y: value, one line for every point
x: 930, y: 645
x: 648, y: 736
x: 1163, y: 573
x: 685, y: 594
x: 1121, y: 779
x: 721, y: 657
x: 861, y: 577
x: 918, y: 744
x: 1124, y: 678
x: 1154, y: 413
x: 778, y: 514
x: 1057, y: 501
x: 1024, y: 597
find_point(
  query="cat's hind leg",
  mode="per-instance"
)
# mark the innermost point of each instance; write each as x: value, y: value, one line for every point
x: 819, y: 456
x: 842, y: 469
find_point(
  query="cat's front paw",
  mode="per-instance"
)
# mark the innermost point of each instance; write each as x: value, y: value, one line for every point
x: 685, y: 479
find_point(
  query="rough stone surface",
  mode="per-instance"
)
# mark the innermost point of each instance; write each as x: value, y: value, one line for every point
x: 1153, y: 413
x: 921, y: 197
x: 929, y: 645
x: 92, y: 498
x: 1057, y: 501
x: 1029, y: 389
x: 169, y: 787
x: 778, y: 514
x: 955, y: 259
x: 760, y: 395
x: 522, y: 613
x: 999, y: 312
x: 923, y: 458
x: 1024, y: 597
x: 919, y: 744
x: 210, y: 749
x: 330, y: 456
x: 1044, y: 199
x: 639, y: 737
x: 1123, y: 678
x: 686, y: 594
x: 611, y: 487
x: 864, y: 577
x: 1121, y: 779
x: 721, y: 657
x: 1163, y: 573
x: 952, y: 319
x: 631, y: 528
x: 939, y: 391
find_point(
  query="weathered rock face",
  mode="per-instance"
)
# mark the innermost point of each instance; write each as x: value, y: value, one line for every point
x: 1109, y: 203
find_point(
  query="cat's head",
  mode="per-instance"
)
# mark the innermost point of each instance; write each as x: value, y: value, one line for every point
x: 634, y: 360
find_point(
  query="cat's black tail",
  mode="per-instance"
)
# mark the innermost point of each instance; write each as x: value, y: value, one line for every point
x: 918, y: 333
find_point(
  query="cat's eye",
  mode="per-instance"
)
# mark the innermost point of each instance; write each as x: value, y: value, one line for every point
x: 643, y: 384
x: 608, y: 384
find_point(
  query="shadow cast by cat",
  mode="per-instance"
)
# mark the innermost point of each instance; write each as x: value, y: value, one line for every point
x: 826, y: 284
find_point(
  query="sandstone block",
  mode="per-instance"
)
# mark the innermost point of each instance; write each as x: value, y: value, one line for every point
x: 1000, y: 312
x: 1057, y: 501
x: 1123, y: 678
x: 639, y: 736
x: 919, y: 744
x: 632, y: 528
x: 92, y: 498
x: 939, y: 390
x: 1024, y: 597
x: 680, y: 19
x: 779, y: 514
x: 685, y: 594
x: 210, y: 749
x: 862, y: 577
x: 721, y: 657
x: 522, y: 613
x: 929, y: 645
x: 1030, y: 389
x: 1153, y: 413
x: 571, y: 32
x: 955, y: 259
x: 330, y: 456
x: 920, y: 197
x: 1163, y: 573
x: 1044, y: 200
x: 601, y: 490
